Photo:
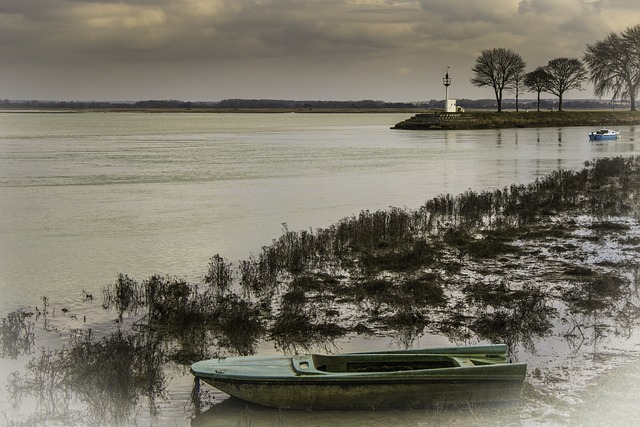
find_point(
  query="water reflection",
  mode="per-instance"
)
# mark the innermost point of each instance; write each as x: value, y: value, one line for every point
x: 235, y: 412
x: 108, y: 377
x: 601, y: 304
x: 17, y: 333
x: 300, y: 325
x: 512, y: 316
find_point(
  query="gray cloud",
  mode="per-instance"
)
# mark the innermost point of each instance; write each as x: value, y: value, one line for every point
x: 272, y: 47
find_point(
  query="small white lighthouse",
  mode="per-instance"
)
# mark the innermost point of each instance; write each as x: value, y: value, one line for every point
x: 449, y: 104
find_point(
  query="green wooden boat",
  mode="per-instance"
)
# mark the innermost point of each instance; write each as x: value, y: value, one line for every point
x: 387, y: 379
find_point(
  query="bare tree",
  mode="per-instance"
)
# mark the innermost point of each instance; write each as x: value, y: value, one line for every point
x: 516, y: 86
x: 564, y: 74
x: 536, y: 81
x: 497, y: 68
x: 614, y: 65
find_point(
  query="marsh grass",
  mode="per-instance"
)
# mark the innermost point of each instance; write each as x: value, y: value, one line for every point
x: 398, y: 261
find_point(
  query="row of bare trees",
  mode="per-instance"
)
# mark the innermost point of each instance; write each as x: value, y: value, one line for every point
x: 613, y: 67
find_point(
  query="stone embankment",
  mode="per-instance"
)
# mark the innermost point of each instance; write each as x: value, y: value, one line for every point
x: 486, y: 120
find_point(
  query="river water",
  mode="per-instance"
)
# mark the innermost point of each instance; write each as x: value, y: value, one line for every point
x: 85, y: 196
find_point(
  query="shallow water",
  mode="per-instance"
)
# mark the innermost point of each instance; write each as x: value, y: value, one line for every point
x: 86, y: 196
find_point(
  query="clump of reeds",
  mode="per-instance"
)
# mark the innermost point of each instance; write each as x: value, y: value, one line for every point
x: 126, y: 294
x: 406, y: 257
x: 191, y: 318
x: 219, y: 275
x: 489, y: 247
x: 173, y: 305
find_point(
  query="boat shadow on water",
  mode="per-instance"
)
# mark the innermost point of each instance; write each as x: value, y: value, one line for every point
x: 237, y: 412
x: 551, y: 269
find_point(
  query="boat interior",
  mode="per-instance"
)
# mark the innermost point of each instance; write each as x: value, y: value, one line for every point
x: 339, y: 364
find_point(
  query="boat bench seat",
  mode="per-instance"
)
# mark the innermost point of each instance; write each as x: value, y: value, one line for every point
x: 464, y: 362
x: 376, y: 364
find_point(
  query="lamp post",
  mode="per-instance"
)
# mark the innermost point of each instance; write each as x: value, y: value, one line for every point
x: 446, y: 81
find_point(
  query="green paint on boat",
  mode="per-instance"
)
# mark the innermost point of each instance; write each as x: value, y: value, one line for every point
x: 375, y: 380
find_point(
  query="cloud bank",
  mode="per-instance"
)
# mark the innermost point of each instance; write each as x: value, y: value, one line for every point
x: 300, y: 49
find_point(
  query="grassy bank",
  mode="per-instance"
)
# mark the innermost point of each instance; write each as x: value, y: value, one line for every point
x: 531, y: 119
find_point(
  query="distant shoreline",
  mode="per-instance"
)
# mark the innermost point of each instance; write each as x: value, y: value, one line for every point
x: 302, y: 106
x: 222, y: 110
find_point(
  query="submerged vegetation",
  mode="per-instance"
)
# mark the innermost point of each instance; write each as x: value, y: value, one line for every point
x: 515, y: 265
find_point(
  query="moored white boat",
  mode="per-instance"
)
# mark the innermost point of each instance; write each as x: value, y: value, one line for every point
x: 604, y: 134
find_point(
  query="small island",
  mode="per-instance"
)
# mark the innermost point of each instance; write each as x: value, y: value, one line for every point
x: 611, y: 65
x: 493, y: 120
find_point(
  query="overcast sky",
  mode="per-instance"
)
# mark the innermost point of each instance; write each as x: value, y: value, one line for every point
x: 208, y: 50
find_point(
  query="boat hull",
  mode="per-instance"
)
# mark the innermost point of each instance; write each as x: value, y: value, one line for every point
x: 373, y: 395
x: 603, y: 137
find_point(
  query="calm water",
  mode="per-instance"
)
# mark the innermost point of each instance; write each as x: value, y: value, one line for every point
x: 86, y: 196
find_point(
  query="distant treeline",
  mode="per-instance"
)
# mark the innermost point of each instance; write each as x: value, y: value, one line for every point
x: 227, y: 104
x: 251, y: 104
